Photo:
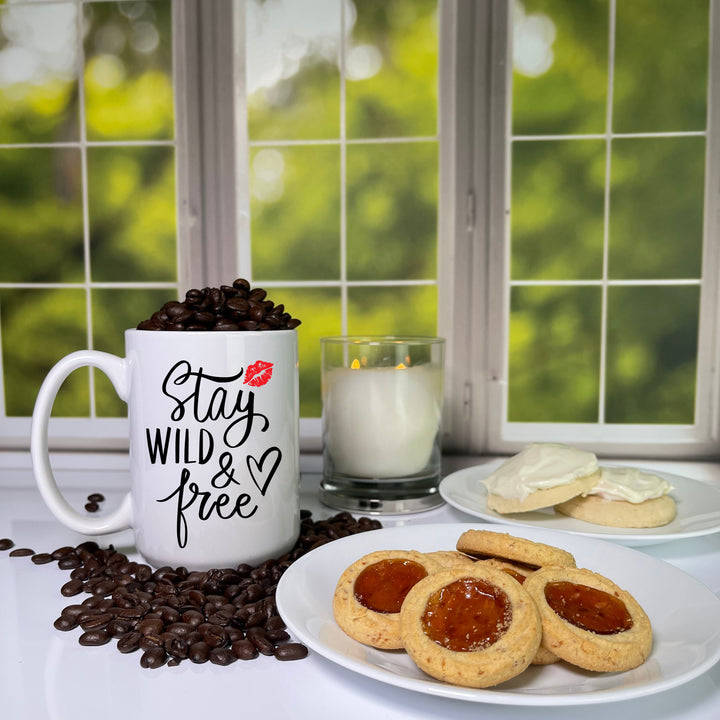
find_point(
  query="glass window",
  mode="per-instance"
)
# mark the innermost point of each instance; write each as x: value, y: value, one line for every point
x: 607, y: 213
x: 88, y: 197
x: 343, y: 166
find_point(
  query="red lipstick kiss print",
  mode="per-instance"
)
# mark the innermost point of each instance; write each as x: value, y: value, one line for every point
x: 258, y: 373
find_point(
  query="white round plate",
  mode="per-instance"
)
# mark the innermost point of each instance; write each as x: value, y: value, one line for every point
x: 685, y: 616
x: 698, y: 510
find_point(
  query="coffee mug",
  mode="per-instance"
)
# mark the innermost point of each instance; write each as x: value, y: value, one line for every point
x: 214, y: 456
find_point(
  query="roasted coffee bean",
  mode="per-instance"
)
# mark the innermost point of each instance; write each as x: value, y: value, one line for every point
x: 104, y: 588
x: 129, y: 643
x: 275, y: 623
x: 153, y: 658
x: 257, y: 637
x: 193, y: 617
x: 21, y: 552
x: 92, y: 507
x: 277, y: 636
x: 150, y: 641
x: 94, y: 637
x: 177, y: 647
x: 291, y: 651
x: 6, y: 544
x: 42, y: 558
x: 150, y: 626
x: 68, y: 562
x: 64, y: 623
x: 244, y: 650
x: 117, y: 627
x: 73, y: 611
x: 96, y: 497
x: 94, y: 622
x: 198, y: 652
x: 222, y: 656
x: 213, y: 635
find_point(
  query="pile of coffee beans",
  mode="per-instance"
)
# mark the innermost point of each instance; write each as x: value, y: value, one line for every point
x: 229, y: 307
x: 172, y: 614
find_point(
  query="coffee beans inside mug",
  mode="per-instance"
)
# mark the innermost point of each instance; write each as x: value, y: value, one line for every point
x: 228, y: 308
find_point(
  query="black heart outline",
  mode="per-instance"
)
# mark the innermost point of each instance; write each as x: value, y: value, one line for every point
x: 258, y: 465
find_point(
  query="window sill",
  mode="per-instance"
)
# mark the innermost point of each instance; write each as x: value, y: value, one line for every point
x: 81, y: 470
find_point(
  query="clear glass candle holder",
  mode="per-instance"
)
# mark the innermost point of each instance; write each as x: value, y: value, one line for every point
x: 382, y: 409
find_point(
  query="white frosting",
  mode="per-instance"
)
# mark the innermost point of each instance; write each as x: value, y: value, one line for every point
x: 629, y: 484
x: 538, y: 467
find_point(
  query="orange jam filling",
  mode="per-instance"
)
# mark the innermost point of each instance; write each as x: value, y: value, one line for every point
x: 382, y: 586
x: 466, y: 615
x: 515, y: 574
x: 588, y: 608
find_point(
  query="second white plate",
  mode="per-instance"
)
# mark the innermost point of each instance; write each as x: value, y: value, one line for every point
x: 698, y: 510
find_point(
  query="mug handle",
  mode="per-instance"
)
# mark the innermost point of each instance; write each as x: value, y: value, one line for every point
x: 116, y: 370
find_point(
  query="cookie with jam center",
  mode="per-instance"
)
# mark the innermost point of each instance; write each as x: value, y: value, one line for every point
x: 485, y: 544
x: 588, y: 621
x: 471, y: 627
x: 370, y: 592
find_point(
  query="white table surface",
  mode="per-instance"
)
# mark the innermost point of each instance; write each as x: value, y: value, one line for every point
x: 45, y: 673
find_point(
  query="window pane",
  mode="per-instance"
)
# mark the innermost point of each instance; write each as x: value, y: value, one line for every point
x: 132, y: 213
x: 113, y: 312
x: 557, y: 209
x: 554, y: 365
x: 560, y: 56
x: 295, y: 212
x: 128, y: 70
x: 656, y: 208
x: 38, y: 74
x: 678, y: 102
x: 392, y: 310
x: 319, y: 311
x: 292, y: 74
x: 41, y: 223
x: 391, y: 66
x: 392, y: 211
x: 38, y: 328
x: 652, y: 354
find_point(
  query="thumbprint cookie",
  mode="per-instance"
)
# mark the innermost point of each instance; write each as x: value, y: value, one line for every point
x: 370, y: 593
x: 475, y: 628
x: 589, y: 621
x: 485, y: 544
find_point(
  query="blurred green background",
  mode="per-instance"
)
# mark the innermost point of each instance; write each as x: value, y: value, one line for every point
x: 365, y: 211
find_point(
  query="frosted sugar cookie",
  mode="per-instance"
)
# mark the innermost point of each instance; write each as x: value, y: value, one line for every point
x: 474, y: 628
x: 484, y: 544
x: 624, y: 497
x: 589, y: 621
x: 370, y: 593
x: 541, y: 475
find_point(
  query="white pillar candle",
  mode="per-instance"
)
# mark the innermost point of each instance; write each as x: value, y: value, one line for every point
x: 381, y: 422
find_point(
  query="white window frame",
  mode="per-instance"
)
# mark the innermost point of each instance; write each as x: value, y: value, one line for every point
x: 489, y: 430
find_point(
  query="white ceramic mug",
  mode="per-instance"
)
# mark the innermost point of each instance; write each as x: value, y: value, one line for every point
x: 214, y: 456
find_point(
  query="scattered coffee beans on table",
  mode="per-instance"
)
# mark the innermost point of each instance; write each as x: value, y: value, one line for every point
x: 172, y: 614
x: 229, y: 308
x: 93, y: 502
